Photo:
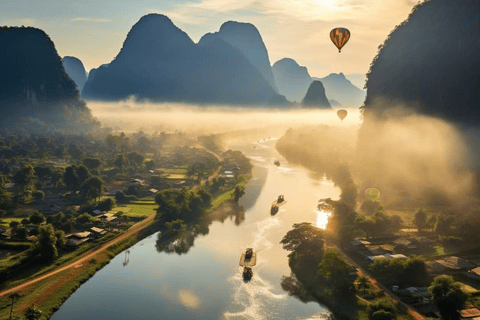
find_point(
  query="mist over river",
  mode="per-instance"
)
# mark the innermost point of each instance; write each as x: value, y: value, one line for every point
x: 206, y: 282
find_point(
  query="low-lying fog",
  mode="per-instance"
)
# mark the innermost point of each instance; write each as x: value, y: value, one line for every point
x: 130, y: 117
x: 410, y: 153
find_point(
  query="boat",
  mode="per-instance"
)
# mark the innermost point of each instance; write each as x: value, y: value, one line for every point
x: 273, y: 210
x: 279, y: 202
x: 248, y: 258
x: 277, y: 163
x: 247, y: 274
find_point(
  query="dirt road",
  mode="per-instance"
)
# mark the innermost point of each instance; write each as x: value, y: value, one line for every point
x: 133, y: 229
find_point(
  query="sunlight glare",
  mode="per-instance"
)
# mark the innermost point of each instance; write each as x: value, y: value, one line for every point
x: 322, y: 218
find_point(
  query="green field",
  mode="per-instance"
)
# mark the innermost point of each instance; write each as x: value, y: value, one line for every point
x: 138, y: 209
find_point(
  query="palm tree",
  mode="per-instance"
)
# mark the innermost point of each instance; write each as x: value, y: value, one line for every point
x: 13, y: 296
x: 362, y: 283
x: 33, y: 313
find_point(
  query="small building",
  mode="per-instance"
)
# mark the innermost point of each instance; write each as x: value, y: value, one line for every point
x: 152, y: 190
x: 406, y: 243
x: 74, y: 240
x: 415, y: 295
x: 107, y: 217
x: 470, y: 314
x: 474, y: 273
x: 97, y: 232
x: 359, y: 243
x: 449, y: 265
x: 97, y: 212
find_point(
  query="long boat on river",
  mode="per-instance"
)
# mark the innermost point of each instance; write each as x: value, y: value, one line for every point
x: 248, y: 258
x: 279, y: 202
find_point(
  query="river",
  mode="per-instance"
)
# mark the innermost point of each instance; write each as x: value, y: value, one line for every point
x: 206, y: 282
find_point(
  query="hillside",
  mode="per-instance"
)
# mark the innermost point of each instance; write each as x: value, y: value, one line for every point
x: 34, y: 84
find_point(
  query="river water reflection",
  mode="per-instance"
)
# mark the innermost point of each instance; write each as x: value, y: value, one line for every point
x: 206, y: 282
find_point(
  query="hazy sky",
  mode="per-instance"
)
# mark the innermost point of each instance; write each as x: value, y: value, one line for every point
x: 94, y: 30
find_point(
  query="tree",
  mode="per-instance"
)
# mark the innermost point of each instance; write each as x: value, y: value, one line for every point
x: 92, y: 188
x: 421, y: 219
x: 150, y: 165
x: 135, y: 158
x: 60, y: 234
x: 83, y: 174
x: 37, y: 218
x: 13, y: 296
x: 335, y: 270
x: 14, y: 224
x: 304, y: 240
x: 4, y: 198
x: 24, y: 178
x: 91, y: 163
x: 106, y: 204
x: 448, y: 296
x: 20, y: 233
x: 70, y: 178
x: 387, y: 306
x: 362, y: 283
x: 120, y: 162
x: 47, y: 241
x: 38, y: 195
x: 32, y: 313
x: 238, y: 193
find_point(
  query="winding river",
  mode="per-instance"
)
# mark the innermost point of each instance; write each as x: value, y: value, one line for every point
x: 206, y: 282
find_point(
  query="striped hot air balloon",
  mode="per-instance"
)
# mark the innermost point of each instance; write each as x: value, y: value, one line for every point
x: 339, y: 37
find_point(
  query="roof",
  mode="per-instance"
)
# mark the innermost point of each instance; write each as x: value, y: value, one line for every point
x: 373, y: 258
x: 402, y: 241
x: 455, y: 263
x: 97, y: 212
x: 395, y: 256
x: 475, y: 271
x: 75, y: 242
x: 83, y: 234
x: 107, y: 217
x: 152, y: 190
x: 470, y: 313
x: 98, y: 230
x: 376, y: 250
x: 358, y: 242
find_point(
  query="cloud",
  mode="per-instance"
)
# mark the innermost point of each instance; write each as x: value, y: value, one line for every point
x: 86, y: 19
x: 27, y: 21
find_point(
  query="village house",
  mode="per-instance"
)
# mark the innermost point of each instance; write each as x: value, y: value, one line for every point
x: 470, y: 314
x: 96, y: 233
x: 474, y: 273
x: 449, y: 265
x: 74, y: 240
x: 414, y: 295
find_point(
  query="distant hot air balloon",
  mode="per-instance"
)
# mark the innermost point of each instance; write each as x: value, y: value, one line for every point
x: 342, y: 114
x: 372, y: 194
x: 339, y: 37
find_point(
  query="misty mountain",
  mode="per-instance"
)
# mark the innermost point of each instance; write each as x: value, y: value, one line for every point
x: 357, y: 79
x: 315, y: 97
x: 34, y: 83
x: 431, y: 63
x: 335, y: 103
x: 339, y: 88
x: 160, y: 62
x: 292, y: 80
x: 75, y: 70
x: 246, y: 38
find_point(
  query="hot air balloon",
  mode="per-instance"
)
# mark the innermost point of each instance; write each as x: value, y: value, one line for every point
x: 342, y: 114
x: 339, y: 37
x: 372, y: 194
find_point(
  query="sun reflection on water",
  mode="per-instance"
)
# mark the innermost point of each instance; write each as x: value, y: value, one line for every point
x: 322, y: 218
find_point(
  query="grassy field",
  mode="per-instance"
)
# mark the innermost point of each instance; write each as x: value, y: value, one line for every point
x: 138, y: 209
x: 227, y: 195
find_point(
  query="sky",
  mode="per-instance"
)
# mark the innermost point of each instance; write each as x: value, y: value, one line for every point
x: 94, y: 30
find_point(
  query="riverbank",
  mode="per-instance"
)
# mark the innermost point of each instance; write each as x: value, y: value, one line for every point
x: 52, y: 289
